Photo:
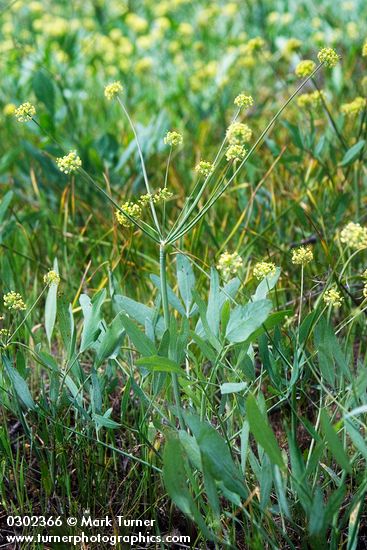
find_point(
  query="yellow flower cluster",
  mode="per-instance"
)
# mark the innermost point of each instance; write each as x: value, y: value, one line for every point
x: 302, y: 255
x: 333, y: 298
x: 173, y: 138
x: 205, y: 168
x: 244, y: 101
x: 13, y: 300
x: 311, y: 99
x: 305, y: 68
x: 354, y: 235
x: 235, y: 152
x: 69, y: 163
x: 263, y: 269
x: 229, y: 264
x: 132, y: 209
x: 238, y: 133
x: 159, y: 196
x: 112, y: 90
x: 354, y: 107
x: 328, y: 56
x: 364, y: 49
x: 51, y: 278
x: 25, y: 112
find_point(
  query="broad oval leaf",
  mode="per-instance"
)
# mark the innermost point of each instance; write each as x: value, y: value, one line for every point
x: 245, y: 320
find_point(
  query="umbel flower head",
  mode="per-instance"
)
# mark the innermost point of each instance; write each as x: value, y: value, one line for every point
x: 244, y: 101
x: 263, y: 269
x: 69, y: 163
x: 354, y: 107
x: 205, y: 168
x: 305, y: 68
x: 25, y: 112
x: 173, y: 138
x: 328, y: 56
x: 302, y: 255
x: 354, y: 236
x: 14, y: 301
x: 113, y: 89
x: 236, y: 152
x: 333, y: 298
x: 51, y: 278
x: 229, y: 264
x: 161, y: 195
x: 238, y: 133
x: 132, y: 209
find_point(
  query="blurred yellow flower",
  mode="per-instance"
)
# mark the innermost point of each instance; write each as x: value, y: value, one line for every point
x: 14, y: 301
x: 333, y: 298
x: 173, y: 138
x: 235, y: 152
x: 25, y: 112
x: 205, y: 168
x: 328, y: 56
x: 229, y: 264
x: 69, y: 163
x: 238, y: 133
x: 244, y: 101
x: 9, y: 109
x: 305, y: 68
x: 113, y: 89
x: 51, y: 278
x: 354, y: 107
x: 354, y: 236
x: 302, y: 255
x: 263, y: 269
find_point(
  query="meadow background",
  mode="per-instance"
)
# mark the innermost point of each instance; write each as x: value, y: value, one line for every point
x: 239, y: 416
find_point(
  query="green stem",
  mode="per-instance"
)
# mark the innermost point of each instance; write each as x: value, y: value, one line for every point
x: 164, y: 292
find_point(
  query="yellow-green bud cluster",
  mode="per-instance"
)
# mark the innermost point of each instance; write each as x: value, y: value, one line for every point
x: 113, y: 89
x: 263, y: 269
x: 25, y: 112
x: 131, y: 209
x: 333, y: 298
x: 305, y: 68
x: 51, y: 278
x: 328, y: 56
x: 229, y: 264
x: 205, y: 168
x: 244, y: 101
x: 162, y: 195
x: 69, y: 163
x: 4, y: 333
x: 173, y: 138
x: 14, y: 301
x: 238, y: 133
x: 354, y: 107
x: 302, y: 255
x: 354, y: 236
x: 235, y: 152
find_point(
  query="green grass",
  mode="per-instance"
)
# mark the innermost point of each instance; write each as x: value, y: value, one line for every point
x: 147, y: 385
